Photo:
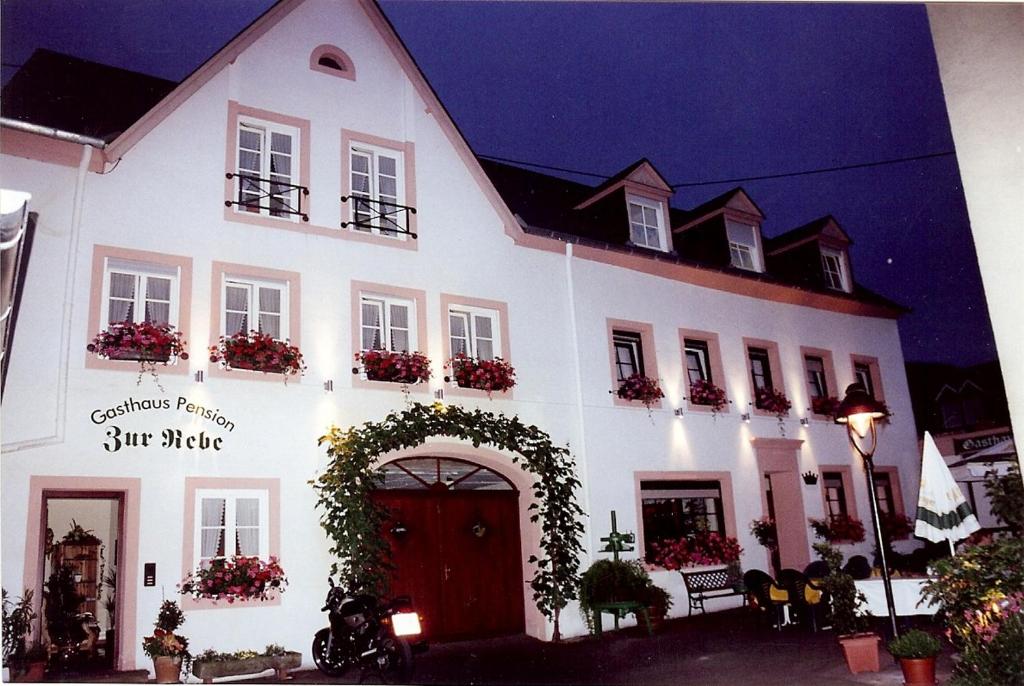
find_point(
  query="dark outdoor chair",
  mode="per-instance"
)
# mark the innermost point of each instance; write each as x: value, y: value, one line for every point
x: 858, y: 567
x: 806, y: 597
x: 816, y: 570
x: 765, y: 595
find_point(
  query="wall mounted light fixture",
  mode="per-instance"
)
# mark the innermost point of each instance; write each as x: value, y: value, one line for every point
x: 804, y: 421
x: 439, y: 394
x: 678, y: 412
x: 199, y: 376
x: 745, y: 417
x: 329, y: 385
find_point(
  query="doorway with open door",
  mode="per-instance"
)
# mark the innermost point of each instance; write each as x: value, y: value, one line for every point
x: 81, y: 540
x: 453, y: 527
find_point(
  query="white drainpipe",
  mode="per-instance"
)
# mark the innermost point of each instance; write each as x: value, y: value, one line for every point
x: 88, y: 144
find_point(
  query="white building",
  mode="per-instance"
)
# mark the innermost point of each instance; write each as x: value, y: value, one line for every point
x: 549, y: 275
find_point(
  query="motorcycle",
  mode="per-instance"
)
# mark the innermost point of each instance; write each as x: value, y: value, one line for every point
x: 366, y: 633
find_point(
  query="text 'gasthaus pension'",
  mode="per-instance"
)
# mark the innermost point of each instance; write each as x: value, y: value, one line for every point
x: 170, y: 438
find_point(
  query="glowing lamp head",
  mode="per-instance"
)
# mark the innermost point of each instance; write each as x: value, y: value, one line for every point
x: 859, y: 412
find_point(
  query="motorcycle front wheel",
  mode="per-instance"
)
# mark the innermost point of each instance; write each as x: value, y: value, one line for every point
x: 330, y: 663
x: 395, y: 660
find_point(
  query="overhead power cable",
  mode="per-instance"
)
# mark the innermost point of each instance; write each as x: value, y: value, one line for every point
x: 805, y: 172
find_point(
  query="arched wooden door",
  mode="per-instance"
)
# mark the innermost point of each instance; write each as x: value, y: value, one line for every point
x: 454, y: 535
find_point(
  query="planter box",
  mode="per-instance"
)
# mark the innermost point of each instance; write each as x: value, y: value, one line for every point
x: 139, y: 356
x: 251, y: 366
x: 861, y: 652
x: 208, y: 671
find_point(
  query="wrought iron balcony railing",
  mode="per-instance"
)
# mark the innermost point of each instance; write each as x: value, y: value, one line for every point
x: 268, y: 196
x: 387, y: 218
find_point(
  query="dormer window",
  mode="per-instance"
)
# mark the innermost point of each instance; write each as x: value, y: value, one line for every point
x: 833, y: 265
x: 744, y: 251
x: 645, y: 223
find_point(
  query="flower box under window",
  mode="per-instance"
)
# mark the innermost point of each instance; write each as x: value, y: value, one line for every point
x: 641, y: 388
x: 772, y: 401
x: 707, y: 394
x: 484, y: 375
x: 139, y: 342
x: 395, y: 367
x: 258, y: 352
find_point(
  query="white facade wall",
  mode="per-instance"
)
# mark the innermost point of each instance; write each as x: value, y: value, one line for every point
x: 166, y: 196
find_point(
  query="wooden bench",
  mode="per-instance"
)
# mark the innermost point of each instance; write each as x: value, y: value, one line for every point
x: 711, y: 583
x: 620, y: 610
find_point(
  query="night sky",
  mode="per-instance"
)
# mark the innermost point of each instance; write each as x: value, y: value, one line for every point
x: 706, y: 92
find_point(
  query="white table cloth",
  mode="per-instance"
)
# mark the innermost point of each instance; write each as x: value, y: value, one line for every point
x: 905, y: 594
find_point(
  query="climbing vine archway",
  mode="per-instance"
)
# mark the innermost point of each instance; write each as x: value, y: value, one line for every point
x: 353, y: 521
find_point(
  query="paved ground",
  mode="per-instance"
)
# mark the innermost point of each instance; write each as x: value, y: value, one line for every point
x: 719, y: 649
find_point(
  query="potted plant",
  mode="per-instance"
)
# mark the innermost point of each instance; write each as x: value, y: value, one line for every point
x: 484, y: 375
x: 825, y: 405
x: 397, y: 367
x: 709, y: 395
x: 211, y: 664
x: 916, y: 651
x: 60, y: 607
x: 703, y: 548
x: 235, y: 578
x: 642, y: 388
x: 849, y: 620
x: 168, y: 650
x: 839, y: 528
x: 612, y: 581
x: 258, y: 352
x: 150, y: 344
x: 658, y: 602
x: 25, y: 662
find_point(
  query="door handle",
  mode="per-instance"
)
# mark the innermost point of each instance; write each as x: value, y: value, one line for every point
x: 447, y: 572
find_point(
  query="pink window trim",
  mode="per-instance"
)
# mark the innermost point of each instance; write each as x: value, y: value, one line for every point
x: 778, y: 381
x: 846, y: 472
x: 646, y: 332
x: 338, y: 55
x: 447, y: 301
x: 188, y: 561
x: 359, y: 288
x: 830, y: 377
x: 714, y: 359
x: 876, y: 375
x: 408, y: 150
x: 100, y: 255
x: 32, y: 578
x: 723, y: 478
x: 235, y: 111
x: 223, y: 269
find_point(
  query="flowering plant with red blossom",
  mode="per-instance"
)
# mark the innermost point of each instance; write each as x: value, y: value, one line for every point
x: 150, y: 344
x: 164, y: 642
x: 485, y: 375
x: 839, y: 528
x: 704, y: 548
x: 765, y: 532
x: 773, y: 401
x: 236, y: 578
x: 258, y: 352
x: 825, y: 405
x: 642, y: 388
x: 399, y: 367
x: 706, y: 393
x: 895, y: 526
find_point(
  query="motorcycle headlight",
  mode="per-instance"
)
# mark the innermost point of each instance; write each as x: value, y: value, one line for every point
x: 406, y: 623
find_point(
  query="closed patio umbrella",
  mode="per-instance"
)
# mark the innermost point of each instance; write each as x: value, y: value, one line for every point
x: 942, y: 510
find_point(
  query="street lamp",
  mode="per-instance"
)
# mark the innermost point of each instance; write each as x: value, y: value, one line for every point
x: 859, y: 411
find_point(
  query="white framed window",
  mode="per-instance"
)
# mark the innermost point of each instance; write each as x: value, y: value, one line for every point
x: 267, y: 169
x: 474, y: 331
x: 645, y: 223
x: 231, y: 522
x: 254, y: 304
x: 629, y: 354
x: 816, y: 382
x: 138, y: 292
x: 698, y: 360
x: 744, y: 252
x: 378, y: 189
x: 386, y: 323
x: 833, y: 265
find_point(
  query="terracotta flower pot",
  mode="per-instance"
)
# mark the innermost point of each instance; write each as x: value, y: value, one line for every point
x: 918, y: 671
x: 168, y: 669
x: 861, y: 651
x: 34, y: 672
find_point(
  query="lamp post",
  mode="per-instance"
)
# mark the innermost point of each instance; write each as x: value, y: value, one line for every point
x: 858, y: 412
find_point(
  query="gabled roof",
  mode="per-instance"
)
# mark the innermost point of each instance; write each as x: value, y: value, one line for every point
x: 639, y: 174
x: 75, y: 95
x: 734, y: 198
x: 826, y: 226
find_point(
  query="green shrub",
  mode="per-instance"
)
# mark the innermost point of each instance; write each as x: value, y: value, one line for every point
x: 611, y: 581
x: 915, y: 644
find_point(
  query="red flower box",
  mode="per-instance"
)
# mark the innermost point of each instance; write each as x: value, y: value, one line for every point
x: 396, y: 367
x: 237, y: 578
x: 144, y: 342
x: 825, y: 406
x: 258, y: 352
x: 773, y: 401
x: 838, y: 529
x: 642, y: 388
x: 706, y: 393
x: 484, y: 375
x: 704, y: 548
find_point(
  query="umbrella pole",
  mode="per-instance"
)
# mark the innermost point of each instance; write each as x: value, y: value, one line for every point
x: 952, y: 550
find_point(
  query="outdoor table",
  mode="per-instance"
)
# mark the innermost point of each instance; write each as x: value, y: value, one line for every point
x: 906, y: 593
